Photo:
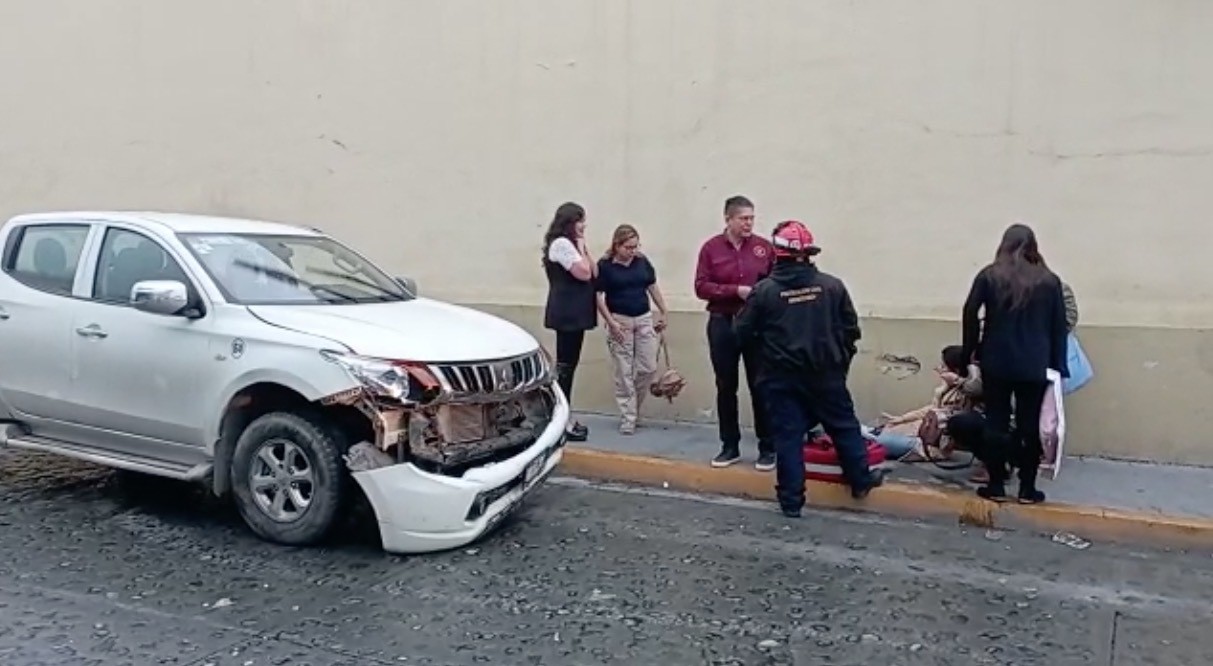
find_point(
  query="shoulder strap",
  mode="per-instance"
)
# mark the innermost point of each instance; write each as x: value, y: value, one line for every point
x: 663, y: 350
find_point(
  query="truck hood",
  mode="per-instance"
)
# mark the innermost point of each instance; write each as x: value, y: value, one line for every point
x: 417, y: 330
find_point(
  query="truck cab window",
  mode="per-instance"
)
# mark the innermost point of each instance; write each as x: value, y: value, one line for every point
x: 45, y: 257
x: 128, y: 257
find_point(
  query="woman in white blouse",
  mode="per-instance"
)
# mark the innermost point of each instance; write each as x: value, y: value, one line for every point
x: 571, y: 309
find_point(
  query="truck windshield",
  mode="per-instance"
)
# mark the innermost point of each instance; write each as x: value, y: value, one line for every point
x: 255, y: 269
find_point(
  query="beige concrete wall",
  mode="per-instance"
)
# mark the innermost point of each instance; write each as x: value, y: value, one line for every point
x: 440, y: 135
x: 1138, y: 408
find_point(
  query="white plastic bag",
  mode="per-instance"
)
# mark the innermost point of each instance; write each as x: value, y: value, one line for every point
x: 1053, y: 424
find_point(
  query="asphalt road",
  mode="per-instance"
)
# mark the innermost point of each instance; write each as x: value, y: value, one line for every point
x: 105, y: 568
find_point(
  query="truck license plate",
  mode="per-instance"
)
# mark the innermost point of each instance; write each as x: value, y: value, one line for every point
x: 533, y: 469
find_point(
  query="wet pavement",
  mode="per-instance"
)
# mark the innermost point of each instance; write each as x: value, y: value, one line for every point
x: 98, y: 567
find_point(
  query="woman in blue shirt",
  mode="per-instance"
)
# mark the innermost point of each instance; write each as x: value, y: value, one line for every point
x: 626, y: 284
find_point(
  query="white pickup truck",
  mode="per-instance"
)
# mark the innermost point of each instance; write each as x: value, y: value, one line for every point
x: 275, y: 364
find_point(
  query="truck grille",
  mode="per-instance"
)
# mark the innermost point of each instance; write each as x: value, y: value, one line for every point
x: 504, y: 376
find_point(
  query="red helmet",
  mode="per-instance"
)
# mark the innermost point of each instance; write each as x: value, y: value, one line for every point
x: 793, y: 239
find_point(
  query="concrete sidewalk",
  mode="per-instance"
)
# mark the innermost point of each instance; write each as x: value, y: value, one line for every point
x: 1091, y: 497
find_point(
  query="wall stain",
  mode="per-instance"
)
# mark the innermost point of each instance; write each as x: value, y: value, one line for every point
x: 900, y: 367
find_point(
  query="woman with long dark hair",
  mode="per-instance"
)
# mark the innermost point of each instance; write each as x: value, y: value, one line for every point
x: 1022, y: 336
x: 571, y: 308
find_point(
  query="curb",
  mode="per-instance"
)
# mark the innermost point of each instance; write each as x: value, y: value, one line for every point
x: 906, y: 500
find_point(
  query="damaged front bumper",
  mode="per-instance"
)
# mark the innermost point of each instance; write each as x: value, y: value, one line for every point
x: 420, y: 511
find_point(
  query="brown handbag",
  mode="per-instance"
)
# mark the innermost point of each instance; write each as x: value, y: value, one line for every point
x: 932, y: 433
x: 670, y: 382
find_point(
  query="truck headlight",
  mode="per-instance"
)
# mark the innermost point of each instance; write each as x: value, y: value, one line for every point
x: 405, y: 381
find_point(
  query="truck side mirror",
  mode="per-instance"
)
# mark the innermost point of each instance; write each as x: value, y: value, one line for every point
x: 162, y: 297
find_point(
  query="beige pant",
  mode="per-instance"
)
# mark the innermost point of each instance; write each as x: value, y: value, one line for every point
x: 635, y: 361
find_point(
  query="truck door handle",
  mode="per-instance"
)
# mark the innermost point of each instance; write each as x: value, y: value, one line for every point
x: 93, y: 331
x: 4, y: 315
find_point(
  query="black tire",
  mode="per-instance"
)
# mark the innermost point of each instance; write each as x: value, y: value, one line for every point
x: 323, y: 446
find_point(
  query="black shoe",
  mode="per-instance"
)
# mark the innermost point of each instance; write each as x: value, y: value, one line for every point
x: 765, y: 462
x: 1030, y: 496
x: 577, y: 433
x: 790, y: 512
x: 993, y: 492
x: 876, y: 477
x: 727, y: 456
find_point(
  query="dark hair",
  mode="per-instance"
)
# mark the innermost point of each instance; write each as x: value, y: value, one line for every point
x: 567, y: 215
x: 954, y: 359
x: 735, y: 203
x: 1018, y: 267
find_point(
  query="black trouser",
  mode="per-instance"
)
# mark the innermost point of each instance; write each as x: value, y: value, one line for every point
x: 967, y: 430
x: 1023, y: 446
x: 795, y: 406
x: 568, y: 355
x: 726, y: 356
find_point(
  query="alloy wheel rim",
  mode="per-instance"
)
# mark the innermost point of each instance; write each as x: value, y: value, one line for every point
x: 282, y: 479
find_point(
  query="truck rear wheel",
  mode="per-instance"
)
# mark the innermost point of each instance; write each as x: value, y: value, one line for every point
x: 288, y: 477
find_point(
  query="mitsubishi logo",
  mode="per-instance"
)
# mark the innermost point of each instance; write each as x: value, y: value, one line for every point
x: 505, y: 376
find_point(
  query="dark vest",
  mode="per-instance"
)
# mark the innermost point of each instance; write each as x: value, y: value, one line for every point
x: 571, y: 305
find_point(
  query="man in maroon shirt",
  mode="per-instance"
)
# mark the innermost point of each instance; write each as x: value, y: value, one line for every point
x: 729, y: 266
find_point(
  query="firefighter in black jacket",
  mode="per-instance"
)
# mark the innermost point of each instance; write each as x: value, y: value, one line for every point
x: 802, y: 323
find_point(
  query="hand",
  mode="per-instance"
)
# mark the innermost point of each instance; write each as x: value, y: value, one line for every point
x: 887, y: 418
x: 615, y: 330
x: 744, y: 292
x: 950, y: 378
x: 659, y: 323
x: 580, y: 245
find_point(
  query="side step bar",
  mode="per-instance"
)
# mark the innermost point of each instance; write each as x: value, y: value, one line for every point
x: 15, y: 437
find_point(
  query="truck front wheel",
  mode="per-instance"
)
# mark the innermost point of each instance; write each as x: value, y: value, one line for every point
x: 288, y: 477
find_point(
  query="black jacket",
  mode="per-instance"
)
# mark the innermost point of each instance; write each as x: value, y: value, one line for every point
x: 1016, y: 345
x: 801, y: 321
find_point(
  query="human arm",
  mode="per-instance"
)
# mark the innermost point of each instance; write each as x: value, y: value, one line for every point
x: 602, y: 283
x: 658, y: 298
x: 909, y: 417
x: 849, y: 319
x: 748, y: 324
x: 707, y: 288
x: 970, y: 322
x: 1071, y: 306
x: 584, y: 251
x: 1060, y: 334
x: 614, y: 329
x: 564, y: 252
x: 971, y: 384
x: 659, y: 301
